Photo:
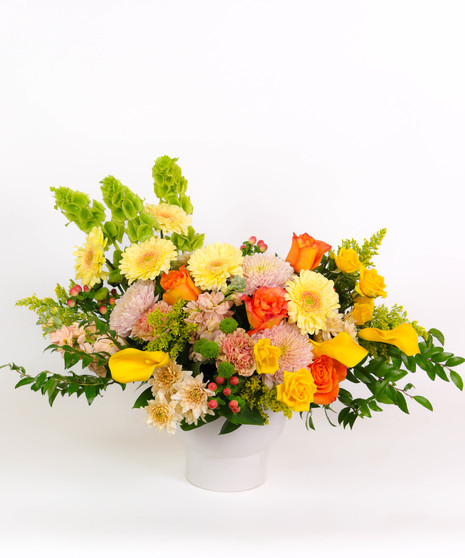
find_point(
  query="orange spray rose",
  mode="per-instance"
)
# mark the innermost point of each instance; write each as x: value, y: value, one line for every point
x: 266, y: 308
x: 178, y: 284
x: 327, y: 373
x: 306, y: 252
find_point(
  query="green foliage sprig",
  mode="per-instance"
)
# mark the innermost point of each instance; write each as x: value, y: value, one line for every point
x: 52, y: 385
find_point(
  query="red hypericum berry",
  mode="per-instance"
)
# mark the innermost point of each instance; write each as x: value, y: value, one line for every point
x: 78, y: 287
x: 260, y: 242
x: 86, y: 289
x: 233, y: 404
x: 252, y: 240
x: 227, y: 392
x: 74, y: 291
x: 242, y: 246
x: 263, y: 247
x: 234, y: 380
x: 112, y: 301
x: 113, y: 292
x: 71, y: 303
x: 212, y: 386
x: 212, y: 404
x: 219, y: 380
x: 236, y: 409
x: 103, y: 309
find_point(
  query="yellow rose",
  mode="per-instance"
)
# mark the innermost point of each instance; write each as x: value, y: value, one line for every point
x: 363, y: 310
x: 266, y: 356
x: 347, y: 260
x: 371, y: 284
x: 298, y: 390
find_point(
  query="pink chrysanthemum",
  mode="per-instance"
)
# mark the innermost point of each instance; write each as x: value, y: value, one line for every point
x: 296, y: 350
x: 237, y: 348
x: 142, y: 329
x: 130, y: 307
x: 265, y: 270
x: 207, y: 312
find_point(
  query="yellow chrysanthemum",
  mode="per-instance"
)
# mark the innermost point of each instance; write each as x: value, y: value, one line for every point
x: 213, y: 264
x: 90, y: 258
x: 148, y: 259
x: 172, y: 218
x: 312, y: 299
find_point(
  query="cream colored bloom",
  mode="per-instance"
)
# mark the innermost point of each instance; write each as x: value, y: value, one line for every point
x: 148, y: 259
x: 192, y: 396
x: 90, y: 258
x: 164, y: 379
x: 213, y: 264
x: 312, y: 300
x: 171, y: 218
x: 162, y: 414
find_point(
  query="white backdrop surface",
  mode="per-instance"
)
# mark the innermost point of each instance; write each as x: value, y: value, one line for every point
x: 332, y: 118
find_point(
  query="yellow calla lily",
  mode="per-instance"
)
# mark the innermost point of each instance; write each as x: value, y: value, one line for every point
x: 404, y: 337
x: 132, y: 365
x: 342, y: 348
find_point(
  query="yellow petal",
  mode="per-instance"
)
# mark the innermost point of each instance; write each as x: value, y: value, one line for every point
x: 266, y: 356
x: 404, y: 337
x: 342, y: 348
x: 132, y: 365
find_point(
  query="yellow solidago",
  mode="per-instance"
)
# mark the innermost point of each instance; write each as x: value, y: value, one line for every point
x: 258, y: 396
x: 90, y: 258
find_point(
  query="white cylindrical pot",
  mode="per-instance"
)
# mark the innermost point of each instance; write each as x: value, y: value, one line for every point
x: 229, y: 462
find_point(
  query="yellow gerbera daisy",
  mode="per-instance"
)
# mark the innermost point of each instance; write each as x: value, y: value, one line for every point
x: 312, y: 300
x: 148, y: 259
x: 172, y: 218
x: 90, y: 258
x: 213, y: 264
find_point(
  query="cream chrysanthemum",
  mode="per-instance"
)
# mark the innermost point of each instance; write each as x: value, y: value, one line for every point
x: 164, y: 379
x: 90, y: 258
x: 163, y: 414
x: 192, y: 395
x: 148, y: 259
x: 213, y: 264
x: 265, y: 270
x: 171, y: 218
x: 312, y: 299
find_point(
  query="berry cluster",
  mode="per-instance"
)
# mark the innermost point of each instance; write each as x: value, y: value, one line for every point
x: 251, y: 246
x: 83, y: 295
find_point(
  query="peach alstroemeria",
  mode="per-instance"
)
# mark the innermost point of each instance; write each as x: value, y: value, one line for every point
x: 266, y: 308
x: 178, y: 284
x: 306, y: 252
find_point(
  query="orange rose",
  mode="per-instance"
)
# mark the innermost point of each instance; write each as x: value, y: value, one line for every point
x: 327, y: 373
x: 178, y: 284
x: 266, y: 308
x: 306, y: 252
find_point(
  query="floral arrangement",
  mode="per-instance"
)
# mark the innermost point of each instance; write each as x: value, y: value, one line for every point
x: 222, y: 331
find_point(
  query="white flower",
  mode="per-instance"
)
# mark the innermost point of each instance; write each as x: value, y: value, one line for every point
x: 192, y: 395
x: 163, y: 414
x: 164, y: 379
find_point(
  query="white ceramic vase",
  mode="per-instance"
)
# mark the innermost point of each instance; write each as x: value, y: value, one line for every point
x: 229, y: 462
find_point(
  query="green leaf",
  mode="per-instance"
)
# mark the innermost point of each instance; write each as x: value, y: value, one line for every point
x: 343, y: 414
x: 423, y: 401
x: 401, y: 402
x: 455, y: 361
x: 24, y: 382
x: 457, y: 379
x: 374, y: 406
x: 143, y: 399
x: 441, y: 372
x: 438, y: 334
x: 228, y: 427
x: 91, y: 392
x: 40, y: 380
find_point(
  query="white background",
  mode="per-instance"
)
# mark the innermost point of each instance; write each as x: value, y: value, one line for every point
x: 332, y: 118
